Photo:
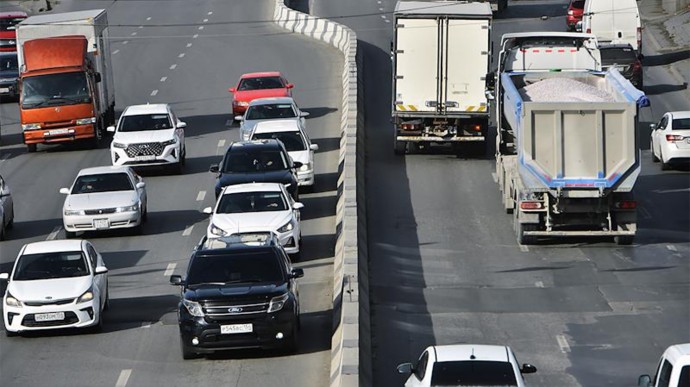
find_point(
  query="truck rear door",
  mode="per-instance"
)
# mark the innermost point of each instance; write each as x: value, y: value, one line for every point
x: 466, y: 65
x: 416, y: 65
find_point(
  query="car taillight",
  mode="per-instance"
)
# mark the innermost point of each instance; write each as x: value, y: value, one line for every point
x: 626, y: 205
x: 476, y: 127
x: 531, y: 205
x: 409, y: 126
x: 673, y: 137
x: 570, y: 12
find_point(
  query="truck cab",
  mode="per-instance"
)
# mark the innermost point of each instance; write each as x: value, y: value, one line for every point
x: 673, y: 369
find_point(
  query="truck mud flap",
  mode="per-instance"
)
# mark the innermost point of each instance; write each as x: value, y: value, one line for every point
x: 581, y: 233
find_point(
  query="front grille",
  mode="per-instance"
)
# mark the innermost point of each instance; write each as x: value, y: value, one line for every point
x: 70, y: 318
x: 222, y: 309
x: 49, y: 302
x: 100, y: 211
x: 145, y: 149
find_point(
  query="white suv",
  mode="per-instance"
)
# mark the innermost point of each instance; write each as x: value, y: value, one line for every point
x: 148, y: 135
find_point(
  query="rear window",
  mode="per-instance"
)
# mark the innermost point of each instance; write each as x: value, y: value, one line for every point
x: 681, y: 123
x: 473, y: 373
x: 270, y: 111
x: 580, y: 4
x: 104, y: 182
x: 618, y: 55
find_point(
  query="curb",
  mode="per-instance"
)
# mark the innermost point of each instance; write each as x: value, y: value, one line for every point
x: 346, y: 347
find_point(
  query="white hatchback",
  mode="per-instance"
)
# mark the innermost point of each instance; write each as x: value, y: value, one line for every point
x: 149, y: 135
x: 257, y: 208
x: 670, y: 139
x: 298, y: 145
x: 104, y: 198
x: 55, y: 284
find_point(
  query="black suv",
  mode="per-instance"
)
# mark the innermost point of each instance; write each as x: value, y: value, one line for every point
x: 239, y: 292
x: 625, y: 59
x: 261, y: 161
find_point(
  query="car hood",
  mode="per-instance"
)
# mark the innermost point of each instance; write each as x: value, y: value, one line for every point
x: 100, y: 200
x: 301, y: 156
x: 57, y: 288
x: 144, y: 136
x: 253, y: 292
x: 252, y: 221
x: 283, y: 177
x: 249, y: 95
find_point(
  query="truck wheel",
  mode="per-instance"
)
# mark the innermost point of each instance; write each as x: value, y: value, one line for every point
x: 525, y: 239
x: 399, y: 147
x: 623, y: 240
x: 31, y: 148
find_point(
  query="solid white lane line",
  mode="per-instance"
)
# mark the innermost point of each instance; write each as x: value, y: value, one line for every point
x: 153, y: 93
x: 189, y: 45
x: 524, y: 248
x: 201, y: 27
x: 115, y: 52
x: 173, y: 67
x: 124, y: 377
x: 181, y: 55
x: 200, y: 196
x: 148, y: 18
x: 187, y: 231
x: 195, y: 36
x: 134, y: 33
x: 170, y: 270
x: 53, y: 234
x: 671, y: 247
x: 163, y: 79
x: 221, y: 143
x: 539, y: 284
x: 563, y: 343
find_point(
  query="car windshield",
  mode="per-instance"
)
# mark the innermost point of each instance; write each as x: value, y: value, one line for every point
x: 260, y: 83
x: 240, y: 202
x: 270, y: 111
x: 55, y: 90
x: 104, y: 182
x: 8, y: 62
x: 140, y: 122
x: 42, y: 266
x: 681, y: 123
x: 473, y: 373
x: 256, y: 266
x: 9, y: 24
x: 293, y: 141
x: 256, y: 160
x: 618, y: 55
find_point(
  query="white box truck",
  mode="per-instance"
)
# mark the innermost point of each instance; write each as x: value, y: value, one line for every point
x: 441, y: 56
x: 567, y: 155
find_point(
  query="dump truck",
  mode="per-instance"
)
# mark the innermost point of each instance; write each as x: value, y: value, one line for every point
x: 441, y: 56
x: 66, y: 81
x: 566, y: 151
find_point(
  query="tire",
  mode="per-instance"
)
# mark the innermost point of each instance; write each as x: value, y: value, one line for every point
x: 292, y: 344
x: 399, y: 148
x: 106, y: 304
x: 145, y: 214
x: 520, y: 229
x: 31, y: 148
x: 187, y: 353
x: 664, y: 165
x: 10, y: 224
x: 2, y: 230
x: 70, y: 234
x: 624, y: 240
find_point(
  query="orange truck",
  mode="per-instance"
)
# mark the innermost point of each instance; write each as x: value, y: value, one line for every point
x: 65, y: 82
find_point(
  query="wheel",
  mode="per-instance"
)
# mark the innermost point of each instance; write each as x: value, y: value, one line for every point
x: 654, y: 158
x: 10, y: 224
x: 70, y: 234
x: 292, y: 344
x: 664, y: 165
x: 624, y: 240
x: 399, y: 148
x: 106, y: 304
x: 31, y: 148
x: 187, y: 352
x: 145, y: 214
x: 2, y: 230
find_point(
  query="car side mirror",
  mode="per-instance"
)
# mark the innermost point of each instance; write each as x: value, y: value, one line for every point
x: 207, y: 210
x: 297, y: 273
x: 141, y: 184
x: 289, y: 86
x: 101, y: 270
x: 239, y: 118
x: 314, y: 147
x: 652, y: 126
x: 304, y: 114
x: 181, y: 124
x: 232, y: 90
x: 297, y: 164
x: 176, y: 280
x: 110, y: 129
x: 64, y: 191
x: 644, y: 381
x: 97, y: 77
x: 4, y: 276
x: 297, y: 206
x: 528, y: 369
x: 405, y: 368
x: 214, y: 168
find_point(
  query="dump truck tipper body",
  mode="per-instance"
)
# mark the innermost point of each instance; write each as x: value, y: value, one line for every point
x: 441, y: 55
x: 567, y: 157
x: 67, y: 89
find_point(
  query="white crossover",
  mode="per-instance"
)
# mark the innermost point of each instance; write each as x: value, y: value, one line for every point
x: 274, y: 108
x: 55, y: 284
x: 670, y: 139
x: 292, y: 134
x: 257, y: 208
x: 104, y: 198
x: 149, y: 135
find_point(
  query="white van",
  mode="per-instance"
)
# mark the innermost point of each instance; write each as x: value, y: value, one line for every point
x: 673, y: 369
x: 613, y: 21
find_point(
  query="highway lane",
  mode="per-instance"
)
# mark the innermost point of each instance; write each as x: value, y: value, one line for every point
x: 190, y: 65
x: 445, y: 267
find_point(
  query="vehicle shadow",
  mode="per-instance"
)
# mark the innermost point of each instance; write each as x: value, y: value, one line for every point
x: 324, y: 182
x: 317, y: 112
x: 665, y: 59
x: 200, y: 164
x: 662, y: 89
x: 327, y: 144
x: 318, y: 207
x: 317, y: 247
x: 116, y: 260
x: 202, y: 125
x: 32, y: 228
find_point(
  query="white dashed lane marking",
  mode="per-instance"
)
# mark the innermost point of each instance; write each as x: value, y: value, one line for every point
x: 386, y: 20
x: 563, y: 343
x: 115, y: 52
x: 172, y: 67
x: 53, y: 234
x: 140, y: 27
x: 201, y: 27
x: 123, y: 378
x: 170, y: 270
x: 188, y: 231
x: 210, y: 12
x: 125, y: 42
x: 221, y: 143
x: 205, y: 20
x: 539, y: 284
x: 524, y: 248
x: 189, y: 45
x: 134, y: 33
x: 148, y: 18
x: 200, y: 196
x: 163, y: 79
x: 195, y: 36
x: 181, y: 55
x: 671, y: 248
x: 153, y: 93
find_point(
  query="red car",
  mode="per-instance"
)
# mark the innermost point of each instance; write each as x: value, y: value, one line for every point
x: 258, y: 85
x: 8, y: 24
x: 575, y: 10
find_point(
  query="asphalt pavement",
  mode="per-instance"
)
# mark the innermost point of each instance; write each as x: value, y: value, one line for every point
x: 187, y: 54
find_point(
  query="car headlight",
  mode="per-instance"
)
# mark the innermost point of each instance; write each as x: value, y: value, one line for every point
x: 86, y: 121
x: 215, y: 230
x: 31, y: 126
x: 74, y: 212
x: 277, y: 303
x: 193, y: 307
x: 119, y: 145
x: 240, y: 103
x: 305, y: 167
x: 169, y: 142
x: 86, y: 297
x: 10, y: 300
x: 286, y: 227
x: 132, y: 208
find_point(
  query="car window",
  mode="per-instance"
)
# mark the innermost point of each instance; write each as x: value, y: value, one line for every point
x: 293, y: 141
x: 260, y: 83
x: 473, y: 373
x: 663, y: 122
x: 51, y: 265
x: 257, y: 160
x: 105, y: 182
x: 270, y: 111
x: 240, y: 202
x: 664, y: 376
x: 420, y: 368
x: 681, y: 124
x: 139, y: 122
x: 684, y: 377
x: 258, y: 266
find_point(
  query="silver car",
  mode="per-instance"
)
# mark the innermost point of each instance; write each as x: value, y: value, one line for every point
x: 262, y: 109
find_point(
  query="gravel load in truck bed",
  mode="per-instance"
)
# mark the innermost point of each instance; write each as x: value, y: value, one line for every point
x: 563, y: 90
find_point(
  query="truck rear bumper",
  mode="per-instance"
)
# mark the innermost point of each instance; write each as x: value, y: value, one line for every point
x: 58, y: 134
x: 440, y: 139
x: 575, y: 233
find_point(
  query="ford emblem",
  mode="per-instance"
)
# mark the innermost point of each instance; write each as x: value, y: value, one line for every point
x: 234, y: 310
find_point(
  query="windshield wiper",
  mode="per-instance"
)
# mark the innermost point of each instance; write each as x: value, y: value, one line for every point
x: 250, y: 280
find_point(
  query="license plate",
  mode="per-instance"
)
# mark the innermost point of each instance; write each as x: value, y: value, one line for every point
x: 49, y: 316
x: 101, y: 223
x: 4, y: 90
x: 57, y: 131
x: 145, y: 158
x: 236, y: 328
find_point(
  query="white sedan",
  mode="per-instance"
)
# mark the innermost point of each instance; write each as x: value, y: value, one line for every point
x: 670, y: 139
x: 273, y: 108
x: 466, y: 365
x: 104, y: 198
x: 257, y: 208
x: 55, y: 284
